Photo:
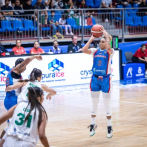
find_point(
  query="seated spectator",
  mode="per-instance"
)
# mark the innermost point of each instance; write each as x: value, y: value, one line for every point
x: 18, y: 49
x: 1, y: 17
x: 83, y: 5
x: 55, y: 24
x: 143, y: 8
x: 43, y: 16
x: 13, y: 3
x: 134, y: 2
x: 106, y: 4
x: 74, y: 46
x: 8, y: 14
x: 118, y: 2
x: 18, y: 7
x: 47, y: 4
x: 140, y: 56
x: 36, y: 49
x: 56, y: 49
x: 70, y: 6
x: 2, y: 49
x: 62, y: 22
x: 28, y: 6
x: 57, y: 4
x: 125, y: 2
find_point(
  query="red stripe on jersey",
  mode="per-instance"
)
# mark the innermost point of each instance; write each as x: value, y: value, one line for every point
x: 109, y: 85
x: 108, y: 62
x: 90, y: 85
x: 95, y: 53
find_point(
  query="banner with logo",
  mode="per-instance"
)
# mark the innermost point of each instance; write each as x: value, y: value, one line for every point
x: 133, y: 70
x: 59, y: 70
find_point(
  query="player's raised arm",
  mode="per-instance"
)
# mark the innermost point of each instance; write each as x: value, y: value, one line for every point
x: 20, y: 67
x: 15, y: 86
x: 108, y: 39
x: 85, y: 48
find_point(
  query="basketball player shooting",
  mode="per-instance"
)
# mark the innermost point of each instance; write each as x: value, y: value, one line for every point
x: 101, y: 78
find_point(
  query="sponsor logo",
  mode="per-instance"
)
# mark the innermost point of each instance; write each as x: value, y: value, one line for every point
x: 55, y: 67
x: 129, y: 72
x: 139, y: 72
x: 4, y: 69
x: 86, y: 74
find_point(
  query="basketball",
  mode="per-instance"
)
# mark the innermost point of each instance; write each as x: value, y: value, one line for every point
x: 96, y: 30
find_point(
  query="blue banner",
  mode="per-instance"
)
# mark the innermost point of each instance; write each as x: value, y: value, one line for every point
x: 133, y: 70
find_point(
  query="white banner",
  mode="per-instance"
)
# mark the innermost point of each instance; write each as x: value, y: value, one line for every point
x: 59, y: 70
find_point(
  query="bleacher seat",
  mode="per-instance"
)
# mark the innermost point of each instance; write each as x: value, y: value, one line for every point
x: 97, y: 3
x: 90, y: 3
x: 129, y: 21
x: 35, y: 1
x: 93, y: 21
x: 128, y: 6
x: 6, y: 25
x: 29, y: 25
x: 144, y: 21
x: 137, y: 21
x: 135, y: 6
x: 58, y: 15
x: 18, y: 25
x: 132, y: 14
x: 72, y: 22
x: 119, y: 6
x: 2, y: 30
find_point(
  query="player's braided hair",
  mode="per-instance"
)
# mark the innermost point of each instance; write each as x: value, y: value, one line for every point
x: 33, y: 94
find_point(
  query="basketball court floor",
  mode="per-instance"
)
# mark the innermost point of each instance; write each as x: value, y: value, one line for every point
x: 69, y: 116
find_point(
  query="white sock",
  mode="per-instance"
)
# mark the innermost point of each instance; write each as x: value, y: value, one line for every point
x: 92, y: 120
x: 109, y: 122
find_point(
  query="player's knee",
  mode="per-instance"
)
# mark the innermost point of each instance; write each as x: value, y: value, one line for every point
x: 107, y: 104
x: 94, y: 106
x: 95, y: 94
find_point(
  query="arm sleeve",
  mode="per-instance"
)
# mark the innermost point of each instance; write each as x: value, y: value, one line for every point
x: 112, y: 53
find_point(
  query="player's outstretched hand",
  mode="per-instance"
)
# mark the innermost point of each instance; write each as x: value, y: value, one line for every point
x: 38, y: 57
x: 48, y: 96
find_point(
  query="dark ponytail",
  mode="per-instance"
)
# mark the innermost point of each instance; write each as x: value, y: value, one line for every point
x: 33, y: 94
x: 33, y: 76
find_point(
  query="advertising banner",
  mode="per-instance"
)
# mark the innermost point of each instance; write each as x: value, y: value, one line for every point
x: 59, y: 70
x: 133, y: 70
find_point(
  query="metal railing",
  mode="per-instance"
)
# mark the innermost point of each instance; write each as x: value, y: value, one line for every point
x: 116, y: 21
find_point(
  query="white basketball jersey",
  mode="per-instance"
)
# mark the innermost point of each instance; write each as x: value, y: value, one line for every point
x: 23, y: 96
x: 27, y: 131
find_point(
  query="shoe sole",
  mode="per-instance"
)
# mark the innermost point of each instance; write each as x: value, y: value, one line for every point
x: 92, y: 134
x: 109, y: 137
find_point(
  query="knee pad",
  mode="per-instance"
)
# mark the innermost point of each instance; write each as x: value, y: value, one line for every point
x: 107, y: 104
x: 95, y: 99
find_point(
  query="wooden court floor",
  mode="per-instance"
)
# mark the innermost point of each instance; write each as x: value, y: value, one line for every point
x: 69, y: 116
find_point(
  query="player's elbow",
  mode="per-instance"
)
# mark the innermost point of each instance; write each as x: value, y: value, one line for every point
x: 54, y: 92
x: 42, y: 136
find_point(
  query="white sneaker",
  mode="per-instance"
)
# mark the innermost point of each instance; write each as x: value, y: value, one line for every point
x: 92, y: 129
x: 71, y: 33
x: 106, y: 20
x: 67, y: 33
x: 109, y: 132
